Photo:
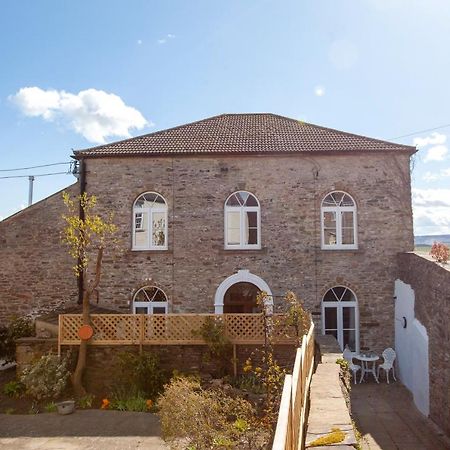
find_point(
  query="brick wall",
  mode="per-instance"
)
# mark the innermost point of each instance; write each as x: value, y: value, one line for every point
x: 196, y: 263
x: 35, y: 269
x: 431, y: 285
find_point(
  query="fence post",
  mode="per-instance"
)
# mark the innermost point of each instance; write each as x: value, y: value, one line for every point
x: 59, y: 334
x: 141, y: 331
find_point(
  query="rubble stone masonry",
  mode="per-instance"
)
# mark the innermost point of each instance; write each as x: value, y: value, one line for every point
x: 36, y: 273
x: 290, y: 190
x: 35, y: 269
x: 431, y: 285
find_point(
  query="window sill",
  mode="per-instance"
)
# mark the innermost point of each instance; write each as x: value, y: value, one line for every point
x: 241, y: 251
x: 162, y: 251
x: 345, y: 250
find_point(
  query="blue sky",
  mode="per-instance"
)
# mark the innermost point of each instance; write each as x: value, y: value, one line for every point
x: 74, y: 74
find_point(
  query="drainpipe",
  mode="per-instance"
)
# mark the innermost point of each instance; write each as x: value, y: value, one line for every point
x: 82, y: 191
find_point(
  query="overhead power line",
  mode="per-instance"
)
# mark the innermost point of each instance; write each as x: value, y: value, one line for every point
x: 39, y: 175
x: 418, y: 132
x: 35, y: 167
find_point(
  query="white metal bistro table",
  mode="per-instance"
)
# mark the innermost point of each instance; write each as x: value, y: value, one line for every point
x: 368, y: 361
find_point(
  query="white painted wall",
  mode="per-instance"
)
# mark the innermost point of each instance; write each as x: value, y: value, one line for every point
x: 411, y: 345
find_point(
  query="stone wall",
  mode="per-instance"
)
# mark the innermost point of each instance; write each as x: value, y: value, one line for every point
x: 290, y: 194
x: 431, y: 285
x: 102, y: 369
x: 36, y: 273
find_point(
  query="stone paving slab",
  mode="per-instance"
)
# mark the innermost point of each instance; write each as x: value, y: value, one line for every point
x: 387, y: 418
x: 87, y: 429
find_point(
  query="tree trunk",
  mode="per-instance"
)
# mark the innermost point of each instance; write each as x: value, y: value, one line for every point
x: 77, y: 376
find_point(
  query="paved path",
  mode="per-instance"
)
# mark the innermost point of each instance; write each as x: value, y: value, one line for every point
x: 88, y: 429
x: 387, y: 418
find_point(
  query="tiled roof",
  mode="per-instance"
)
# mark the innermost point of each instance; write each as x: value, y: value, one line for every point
x: 243, y: 134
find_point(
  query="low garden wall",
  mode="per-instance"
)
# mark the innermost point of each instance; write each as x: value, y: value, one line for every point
x: 101, y: 360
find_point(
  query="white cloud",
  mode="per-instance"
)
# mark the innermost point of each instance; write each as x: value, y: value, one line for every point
x: 436, y: 153
x: 431, y: 211
x: 93, y: 113
x: 319, y: 91
x: 343, y: 54
x: 429, y: 176
x: 445, y: 172
x: 163, y: 40
x: 432, y: 139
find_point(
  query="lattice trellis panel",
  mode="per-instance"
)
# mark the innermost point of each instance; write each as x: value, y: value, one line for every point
x: 244, y: 328
x: 120, y: 329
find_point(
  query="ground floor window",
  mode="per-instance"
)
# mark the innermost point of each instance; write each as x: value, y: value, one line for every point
x: 340, y: 317
x: 150, y: 300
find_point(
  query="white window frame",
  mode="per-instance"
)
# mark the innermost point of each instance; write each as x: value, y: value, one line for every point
x: 340, y: 305
x: 150, y: 211
x: 339, y: 210
x: 150, y: 304
x: 242, y: 211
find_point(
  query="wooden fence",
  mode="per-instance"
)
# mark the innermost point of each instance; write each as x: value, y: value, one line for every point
x: 169, y: 329
x: 289, y: 434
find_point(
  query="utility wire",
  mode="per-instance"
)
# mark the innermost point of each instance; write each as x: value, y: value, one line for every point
x: 39, y: 175
x: 35, y: 167
x: 418, y: 132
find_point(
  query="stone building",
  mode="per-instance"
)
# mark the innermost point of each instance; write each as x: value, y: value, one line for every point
x: 213, y: 211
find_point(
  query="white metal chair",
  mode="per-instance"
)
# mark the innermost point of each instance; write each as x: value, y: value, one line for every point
x: 388, y: 364
x: 348, y: 356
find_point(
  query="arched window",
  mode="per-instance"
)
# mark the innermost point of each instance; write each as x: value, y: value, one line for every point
x: 340, y: 317
x: 150, y: 222
x: 150, y: 300
x: 338, y: 218
x: 242, y: 221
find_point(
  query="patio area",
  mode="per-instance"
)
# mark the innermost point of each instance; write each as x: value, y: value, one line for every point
x: 387, y: 418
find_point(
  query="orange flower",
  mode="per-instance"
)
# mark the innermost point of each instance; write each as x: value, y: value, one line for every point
x: 105, y: 403
x: 149, y: 404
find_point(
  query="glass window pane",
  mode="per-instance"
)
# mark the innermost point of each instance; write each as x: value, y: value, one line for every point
x: 332, y: 332
x: 141, y: 310
x: 159, y: 310
x: 347, y: 201
x: 233, y: 201
x: 233, y: 225
x: 349, y: 317
x: 330, y: 318
x: 251, y: 219
x: 141, y: 234
x: 329, y: 224
x: 251, y: 201
x: 350, y: 339
x: 159, y: 229
x: 252, y: 236
x: 329, y: 201
x: 348, y: 296
x: 348, y: 236
x: 347, y: 219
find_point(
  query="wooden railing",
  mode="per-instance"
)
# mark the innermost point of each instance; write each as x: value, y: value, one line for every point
x: 168, y: 329
x: 289, y: 434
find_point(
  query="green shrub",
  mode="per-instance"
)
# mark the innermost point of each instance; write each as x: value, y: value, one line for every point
x: 129, y: 400
x: 47, y: 377
x: 17, y: 328
x: 86, y: 401
x: 14, y: 389
x: 206, y: 419
x: 50, y: 407
x: 220, y: 349
x: 142, y: 372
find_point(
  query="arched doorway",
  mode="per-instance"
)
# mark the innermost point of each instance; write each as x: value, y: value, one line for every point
x: 241, y: 298
x: 238, y: 292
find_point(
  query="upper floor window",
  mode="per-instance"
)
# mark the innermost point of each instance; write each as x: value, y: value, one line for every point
x: 150, y: 300
x: 242, y: 221
x: 150, y: 222
x: 338, y: 218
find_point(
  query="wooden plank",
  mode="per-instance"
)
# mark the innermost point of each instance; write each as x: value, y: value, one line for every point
x: 282, y: 432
